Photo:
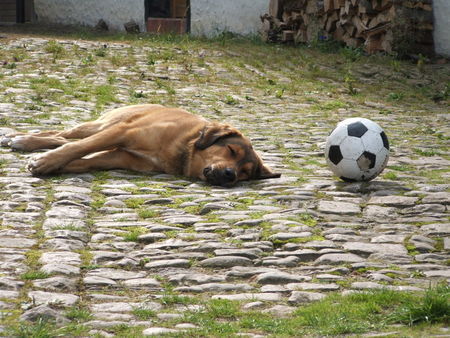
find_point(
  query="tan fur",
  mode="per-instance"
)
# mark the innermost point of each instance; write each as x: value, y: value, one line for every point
x: 147, y: 138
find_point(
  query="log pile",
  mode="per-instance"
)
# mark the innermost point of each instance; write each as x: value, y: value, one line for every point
x: 401, y: 26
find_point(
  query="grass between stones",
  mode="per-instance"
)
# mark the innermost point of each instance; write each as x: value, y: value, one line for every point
x: 356, y: 313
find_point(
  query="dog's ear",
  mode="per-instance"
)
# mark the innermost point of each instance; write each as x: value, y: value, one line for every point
x: 213, y: 132
x: 267, y: 173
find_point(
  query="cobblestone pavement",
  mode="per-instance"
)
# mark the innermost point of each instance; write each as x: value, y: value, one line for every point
x: 117, y: 242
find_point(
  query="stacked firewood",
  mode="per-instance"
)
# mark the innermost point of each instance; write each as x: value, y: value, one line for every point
x: 401, y: 26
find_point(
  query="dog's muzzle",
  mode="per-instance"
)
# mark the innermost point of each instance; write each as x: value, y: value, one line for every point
x: 221, y: 176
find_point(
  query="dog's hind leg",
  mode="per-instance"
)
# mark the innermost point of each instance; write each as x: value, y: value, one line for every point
x: 106, y: 160
x: 54, y: 160
x: 31, y: 142
x: 83, y: 130
x: 50, y: 139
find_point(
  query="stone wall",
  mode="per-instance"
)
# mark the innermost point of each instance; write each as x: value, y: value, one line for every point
x: 88, y: 12
x: 210, y: 18
x: 441, y: 10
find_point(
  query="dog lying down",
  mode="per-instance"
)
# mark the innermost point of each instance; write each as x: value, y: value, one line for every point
x: 147, y: 138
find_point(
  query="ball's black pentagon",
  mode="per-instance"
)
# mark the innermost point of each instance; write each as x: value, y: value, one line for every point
x: 366, y: 161
x: 356, y: 129
x: 385, y: 140
x: 335, y: 155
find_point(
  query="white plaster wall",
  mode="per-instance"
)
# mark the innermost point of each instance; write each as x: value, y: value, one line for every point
x: 88, y: 12
x: 212, y: 17
x: 441, y: 10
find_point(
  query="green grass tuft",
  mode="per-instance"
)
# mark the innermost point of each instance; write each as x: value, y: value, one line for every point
x: 132, y: 235
x: 171, y: 299
x: 336, y: 315
x: 78, y: 314
x: 32, y: 275
x: 143, y: 313
x: 146, y: 213
x: 434, y: 307
x: 55, y: 48
x: 40, y: 329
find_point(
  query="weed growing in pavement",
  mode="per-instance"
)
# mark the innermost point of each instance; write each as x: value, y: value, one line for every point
x: 3, y: 162
x: 433, y: 307
x: 101, y: 52
x: 133, y: 234
x: 33, y: 274
x: 166, y: 85
x: 143, y: 314
x: 40, y: 328
x: 118, y: 60
x: 55, y: 48
x: 105, y: 94
x: 390, y: 175
x: 349, y: 82
x: 78, y: 314
x: 134, y: 203
x: 147, y: 213
x: 335, y: 315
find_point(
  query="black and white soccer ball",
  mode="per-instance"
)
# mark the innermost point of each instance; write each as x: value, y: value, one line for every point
x: 357, y: 150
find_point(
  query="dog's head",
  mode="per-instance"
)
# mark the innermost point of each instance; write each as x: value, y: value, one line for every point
x: 223, y: 156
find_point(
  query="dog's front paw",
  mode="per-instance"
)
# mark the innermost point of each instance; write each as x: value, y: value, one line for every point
x: 5, y: 141
x: 43, y: 165
x: 7, y: 132
x: 20, y: 143
x: 15, y: 141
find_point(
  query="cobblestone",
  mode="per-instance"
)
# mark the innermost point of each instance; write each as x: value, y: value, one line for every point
x: 121, y: 243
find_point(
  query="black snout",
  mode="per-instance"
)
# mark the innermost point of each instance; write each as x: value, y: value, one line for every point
x: 221, y: 176
x: 229, y: 174
x: 207, y: 171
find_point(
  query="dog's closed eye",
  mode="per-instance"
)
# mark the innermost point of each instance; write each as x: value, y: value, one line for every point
x: 233, y: 152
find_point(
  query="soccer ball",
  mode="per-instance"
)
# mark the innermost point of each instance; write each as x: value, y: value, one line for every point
x: 357, y: 150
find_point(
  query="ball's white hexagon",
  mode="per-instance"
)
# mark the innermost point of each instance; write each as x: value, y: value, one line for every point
x: 349, y: 169
x: 372, y: 141
x: 351, y: 147
x: 337, y: 136
x: 334, y: 168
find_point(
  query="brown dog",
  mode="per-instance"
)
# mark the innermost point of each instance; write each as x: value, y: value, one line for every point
x: 147, y: 138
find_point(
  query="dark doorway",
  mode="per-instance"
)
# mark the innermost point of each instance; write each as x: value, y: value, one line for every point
x: 16, y: 11
x: 167, y: 16
x: 20, y: 11
x: 8, y: 11
x: 158, y: 9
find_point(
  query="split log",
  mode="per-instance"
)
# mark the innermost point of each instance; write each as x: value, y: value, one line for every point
x: 365, y: 7
x: 331, y: 22
x: 328, y: 5
x: 276, y: 8
x: 359, y: 25
x: 287, y: 36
